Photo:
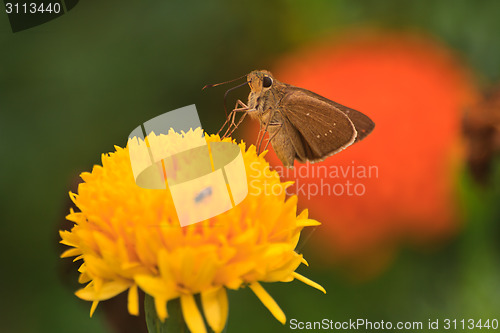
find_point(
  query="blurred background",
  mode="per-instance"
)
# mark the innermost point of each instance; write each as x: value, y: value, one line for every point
x: 421, y: 244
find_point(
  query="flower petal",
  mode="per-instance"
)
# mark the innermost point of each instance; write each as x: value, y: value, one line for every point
x: 133, y: 300
x: 311, y: 283
x: 161, y: 307
x: 156, y: 286
x: 93, y: 307
x: 80, y: 257
x: 84, y: 278
x: 192, y: 314
x: 216, y: 308
x: 268, y: 302
x: 304, y: 261
x: 108, y: 290
x: 303, y: 214
x: 307, y: 223
x: 71, y: 253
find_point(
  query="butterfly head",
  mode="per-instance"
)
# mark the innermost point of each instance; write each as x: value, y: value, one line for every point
x: 260, y: 80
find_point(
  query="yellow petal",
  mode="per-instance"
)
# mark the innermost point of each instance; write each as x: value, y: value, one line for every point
x: 96, y: 284
x: 108, y: 290
x: 84, y: 278
x: 307, y: 223
x: 74, y: 196
x: 71, y: 253
x: 82, y: 268
x: 80, y: 257
x: 97, y: 266
x: 156, y: 286
x: 268, y: 302
x: 303, y: 214
x: 283, y: 273
x: 215, y: 307
x: 133, y: 300
x: 304, y: 261
x: 308, y: 282
x: 67, y: 237
x: 161, y: 307
x: 93, y: 307
x: 192, y: 315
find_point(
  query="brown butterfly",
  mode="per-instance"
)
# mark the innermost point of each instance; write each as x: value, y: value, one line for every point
x: 302, y: 125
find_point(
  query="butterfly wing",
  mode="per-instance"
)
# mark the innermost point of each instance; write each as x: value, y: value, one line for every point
x: 322, y: 127
x: 362, y: 123
x: 281, y: 136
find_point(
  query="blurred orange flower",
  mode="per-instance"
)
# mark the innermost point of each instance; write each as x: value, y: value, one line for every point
x: 415, y: 91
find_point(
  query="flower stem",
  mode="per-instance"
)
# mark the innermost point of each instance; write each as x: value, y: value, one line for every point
x: 174, y: 323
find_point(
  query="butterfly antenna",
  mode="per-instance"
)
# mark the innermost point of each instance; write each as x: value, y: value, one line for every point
x: 218, y: 84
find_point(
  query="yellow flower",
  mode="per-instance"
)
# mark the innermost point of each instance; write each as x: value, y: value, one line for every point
x: 129, y: 237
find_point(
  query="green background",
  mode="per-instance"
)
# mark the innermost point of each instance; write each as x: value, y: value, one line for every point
x: 74, y: 87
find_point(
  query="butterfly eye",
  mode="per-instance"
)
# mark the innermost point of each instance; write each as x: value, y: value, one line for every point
x: 267, y: 82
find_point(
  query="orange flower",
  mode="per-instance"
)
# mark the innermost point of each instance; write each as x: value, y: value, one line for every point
x: 415, y: 91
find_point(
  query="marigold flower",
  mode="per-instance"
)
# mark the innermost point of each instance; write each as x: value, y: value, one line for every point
x: 129, y: 237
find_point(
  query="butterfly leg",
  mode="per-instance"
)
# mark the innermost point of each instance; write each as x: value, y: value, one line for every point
x: 237, y: 108
x: 260, y: 133
x: 260, y: 138
x: 232, y: 117
x: 282, y: 146
x: 245, y: 111
x: 238, y: 124
x: 268, y: 123
x: 232, y: 114
x: 274, y: 134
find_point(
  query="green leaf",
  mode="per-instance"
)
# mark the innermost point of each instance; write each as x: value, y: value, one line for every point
x: 175, y: 321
